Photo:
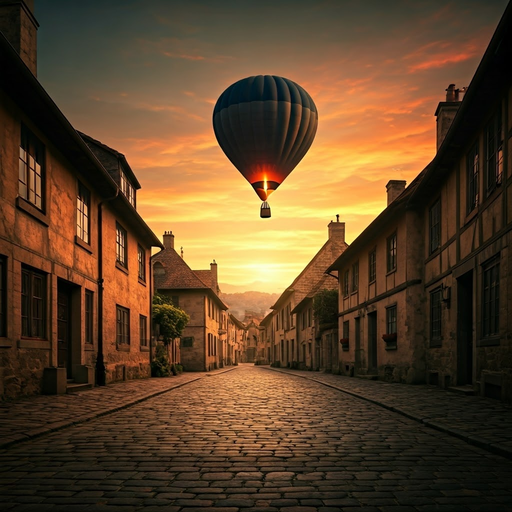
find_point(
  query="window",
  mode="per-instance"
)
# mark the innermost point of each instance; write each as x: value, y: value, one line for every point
x: 346, y: 326
x: 83, y: 204
x: 88, y: 316
x: 391, y: 253
x: 372, y: 266
x: 493, y: 153
x: 121, y: 246
x: 143, y: 330
x: 3, y: 289
x: 472, y: 165
x: 434, y: 217
x: 127, y: 189
x: 345, y: 283
x: 31, y: 169
x: 33, y: 303
x: 123, y: 326
x: 391, y: 320
x: 435, y: 317
x: 491, y: 298
x: 355, y: 276
x: 141, y: 262
x: 310, y: 316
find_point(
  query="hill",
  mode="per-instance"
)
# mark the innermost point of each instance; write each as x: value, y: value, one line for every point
x: 258, y: 303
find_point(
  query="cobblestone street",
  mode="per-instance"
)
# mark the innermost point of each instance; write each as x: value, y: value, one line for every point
x: 252, y: 439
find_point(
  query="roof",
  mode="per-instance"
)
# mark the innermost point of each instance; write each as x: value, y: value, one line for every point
x: 237, y: 322
x: 179, y: 276
x: 375, y: 228
x: 303, y: 283
x: 30, y: 96
x: 328, y: 282
x: 491, y: 78
x: 102, y: 150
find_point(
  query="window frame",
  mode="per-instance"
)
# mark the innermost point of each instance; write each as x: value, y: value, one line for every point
x: 141, y: 263
x: 121, y: 246
x: 122, y: 326
x: 493, y: 152
x: 355, y: 277
x: 83, y: 208
x: 391, y: 252
x: 143, y: 331
x: 31, y: 169
x: 372, y: 266
x: 472, y: 178
x: 33, y: 326
x: 392, y: 319
x: 127, y: 188
x: 346, y: 283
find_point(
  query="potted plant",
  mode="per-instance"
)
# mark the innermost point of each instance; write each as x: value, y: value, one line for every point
x: 389, y: 337
x: 344, y: 343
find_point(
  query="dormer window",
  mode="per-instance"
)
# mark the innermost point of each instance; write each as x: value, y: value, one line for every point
x: 127, y: 189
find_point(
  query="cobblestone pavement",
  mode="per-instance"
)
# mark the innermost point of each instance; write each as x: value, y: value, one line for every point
x: 252, y: 440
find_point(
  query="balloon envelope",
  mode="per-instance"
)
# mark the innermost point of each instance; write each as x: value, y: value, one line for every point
x: 265, y: 125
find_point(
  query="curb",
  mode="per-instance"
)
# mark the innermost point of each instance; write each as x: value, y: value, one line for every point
x: 9, y: 441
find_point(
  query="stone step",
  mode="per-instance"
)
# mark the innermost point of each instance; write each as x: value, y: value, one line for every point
x: 75, y: 387
x: 467, y: 390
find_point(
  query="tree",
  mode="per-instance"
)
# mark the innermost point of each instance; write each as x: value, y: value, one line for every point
x: 325, y: 307
x: 172, y: 320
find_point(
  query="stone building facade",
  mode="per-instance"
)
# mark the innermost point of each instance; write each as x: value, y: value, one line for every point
x: 75, y: 297
x: 290, y: 341
x: 203, y: 343
x: 449, y: 295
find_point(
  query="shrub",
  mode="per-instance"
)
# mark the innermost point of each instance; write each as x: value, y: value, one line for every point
x: 160, y: 366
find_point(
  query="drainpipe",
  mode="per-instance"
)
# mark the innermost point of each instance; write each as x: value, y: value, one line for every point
x: 100, y: 362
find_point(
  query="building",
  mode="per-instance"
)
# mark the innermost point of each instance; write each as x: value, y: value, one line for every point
x: 444, y: 303
x: 286, y: 348
x: 75, y: 297
x: 236, y: 340
x: 203, y: 343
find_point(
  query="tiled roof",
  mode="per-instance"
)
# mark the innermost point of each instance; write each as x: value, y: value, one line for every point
x: 206, y: 277
x: 178, y: 275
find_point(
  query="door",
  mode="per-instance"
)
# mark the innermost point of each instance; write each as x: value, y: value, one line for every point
x: 64, y: 355
x: 465, y: 329
x: 372, y: 342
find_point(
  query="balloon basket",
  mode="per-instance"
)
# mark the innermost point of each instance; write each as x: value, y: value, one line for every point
x: 265, y: 210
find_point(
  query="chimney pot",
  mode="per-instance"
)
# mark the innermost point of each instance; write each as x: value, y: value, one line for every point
x: 168, y: 240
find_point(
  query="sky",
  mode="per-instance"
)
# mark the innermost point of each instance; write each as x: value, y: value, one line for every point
x: 143, y: 77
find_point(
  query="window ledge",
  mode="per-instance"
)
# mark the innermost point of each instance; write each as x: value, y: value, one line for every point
x: 34, y: 343
x: 89, y: 347
x: 84, y: 245
x: 123, y: 347
x: 29, y: 208
x: 491, y: 341
x: 5, y: 342
x: 144, y: 349
x: 142, y: 282
x: 121, y: 267
x: 392, y: 271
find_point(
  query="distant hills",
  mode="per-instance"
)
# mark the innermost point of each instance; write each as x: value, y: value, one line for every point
x: 255, y: 286
x: 257, y: 303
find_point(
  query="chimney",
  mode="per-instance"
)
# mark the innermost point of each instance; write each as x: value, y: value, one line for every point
x: 19, y: 26
x: 446, y: 111
x: 213, y: 268
x: 336, y: 230
x: 394, y: 188
x: 168, y: 240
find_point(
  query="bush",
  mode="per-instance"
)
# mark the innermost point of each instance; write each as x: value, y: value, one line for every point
x: 160, y: 366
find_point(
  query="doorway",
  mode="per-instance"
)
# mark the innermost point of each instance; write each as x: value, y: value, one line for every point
x: 465, y: 329
x: 372, y: 342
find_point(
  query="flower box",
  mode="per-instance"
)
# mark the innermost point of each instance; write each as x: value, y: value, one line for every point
x: 389, y: 337
x: 344, y: 343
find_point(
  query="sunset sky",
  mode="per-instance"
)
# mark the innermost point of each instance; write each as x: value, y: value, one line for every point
x: 143, y: 76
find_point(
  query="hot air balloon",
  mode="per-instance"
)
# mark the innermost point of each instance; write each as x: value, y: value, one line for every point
x: 265, y: 125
